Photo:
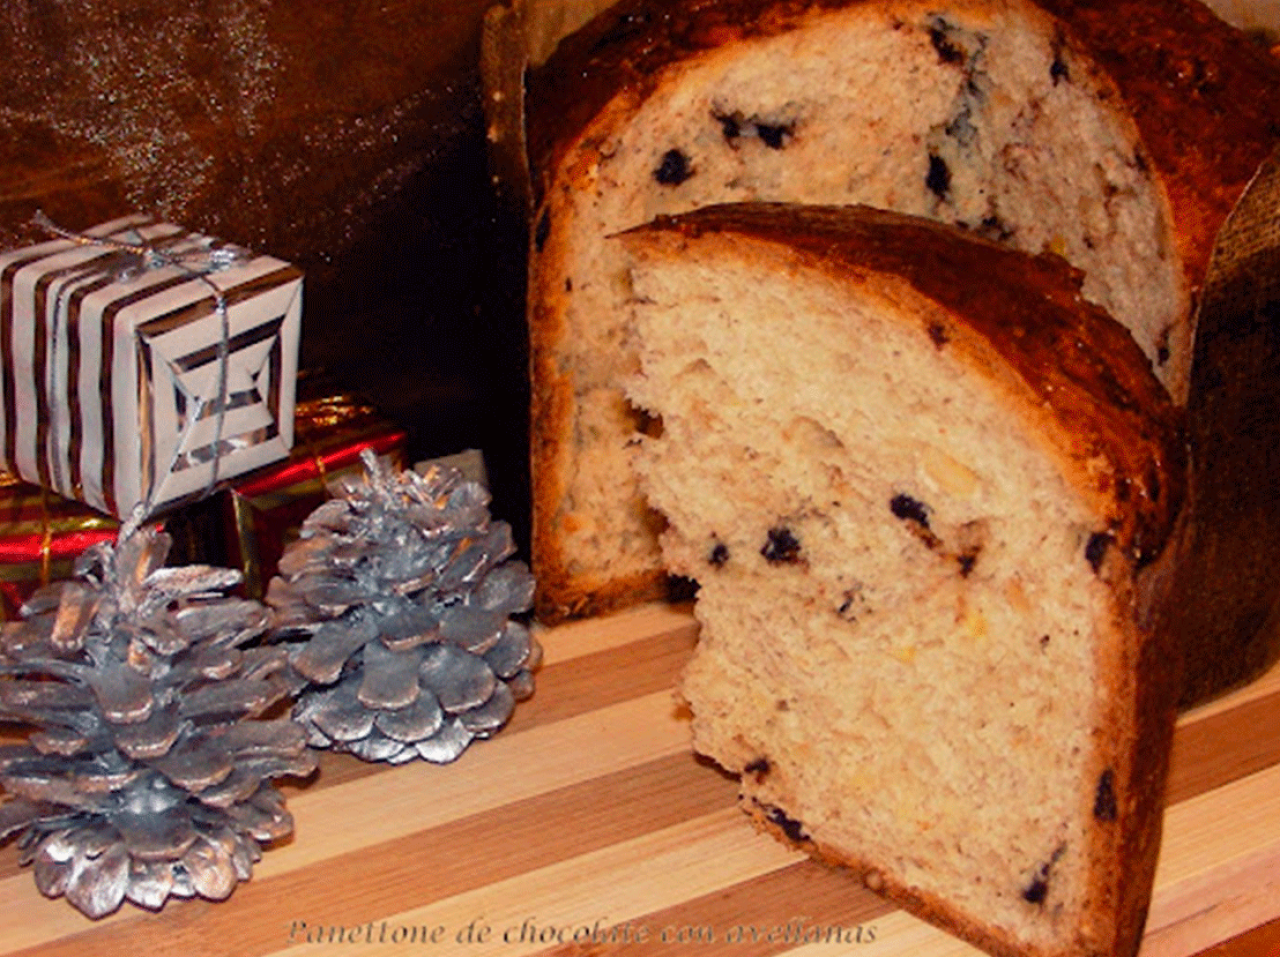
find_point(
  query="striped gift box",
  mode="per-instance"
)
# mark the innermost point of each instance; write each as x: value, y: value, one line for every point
x: 144, y: 379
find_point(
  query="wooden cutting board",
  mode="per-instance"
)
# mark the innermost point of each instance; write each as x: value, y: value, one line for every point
x: 587, y: 827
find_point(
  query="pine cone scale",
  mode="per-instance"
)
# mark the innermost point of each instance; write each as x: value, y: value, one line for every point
x: 511, y: 652
x: 97, y: 885
x: 489, y: 717
x: 151, y: 836
x: 508, y: 588
x: 63, y: 742
x: 447, y: 744
x: 51, y: 875
x: 165, y: 584
x: 475, y: 629
x: 150, y: 884
x: 17, y: 813
x: 47, y: 789
x: 377, y: 748
x: 123, y: 695
x: 262, y: 815
x: 194, y: 766
x: 154, y: 737
x: 211, y: 870
x: 232, y: 621
x: 215, y: 664
x: 420, y: 720
x: 409, y: 625
x: 458, y: 680
x: 338, y: 715
x: 276, y: 738
x: 321, y: 659
x: 75, y: 611
x: 229, y: 700
x: 18, y: 693
x: 389, y: 680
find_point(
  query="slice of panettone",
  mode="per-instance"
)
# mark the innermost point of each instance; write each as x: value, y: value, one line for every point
x: 927, y: 493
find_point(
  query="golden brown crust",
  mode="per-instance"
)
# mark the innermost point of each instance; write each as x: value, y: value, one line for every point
x: 550, y: 401
x: 1076, y: 363
x: 569, y: 599
x: 561, y: 594
x: 622, y: 52
x: 1228, y: 624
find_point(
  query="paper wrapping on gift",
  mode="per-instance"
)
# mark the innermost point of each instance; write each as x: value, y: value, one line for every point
x: 41, y: 536
x: 112, y: 385
x: 266, y: 509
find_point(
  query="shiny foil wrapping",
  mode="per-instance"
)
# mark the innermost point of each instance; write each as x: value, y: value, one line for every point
x: 265, y: 510
x: 132, y: 382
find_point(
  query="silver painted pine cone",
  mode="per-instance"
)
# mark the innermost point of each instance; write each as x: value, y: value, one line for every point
x: 148, y: 774
x: 402, y: 587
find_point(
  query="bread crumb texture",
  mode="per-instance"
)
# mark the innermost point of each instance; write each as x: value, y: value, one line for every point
x: 904, y: 638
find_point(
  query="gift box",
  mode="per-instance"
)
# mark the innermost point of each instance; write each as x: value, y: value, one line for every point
x: 265, y: 510
x: 41, y: 536
x: 144, y: 365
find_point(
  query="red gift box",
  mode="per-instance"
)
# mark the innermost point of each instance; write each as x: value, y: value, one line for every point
x: 41, y: 536
x: 266, y: 508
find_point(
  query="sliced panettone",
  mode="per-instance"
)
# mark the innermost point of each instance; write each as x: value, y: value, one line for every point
x: 926, y: 490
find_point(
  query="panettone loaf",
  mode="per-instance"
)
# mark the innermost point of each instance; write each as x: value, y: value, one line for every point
x: 925, y: 489
x: 1116, y: 134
